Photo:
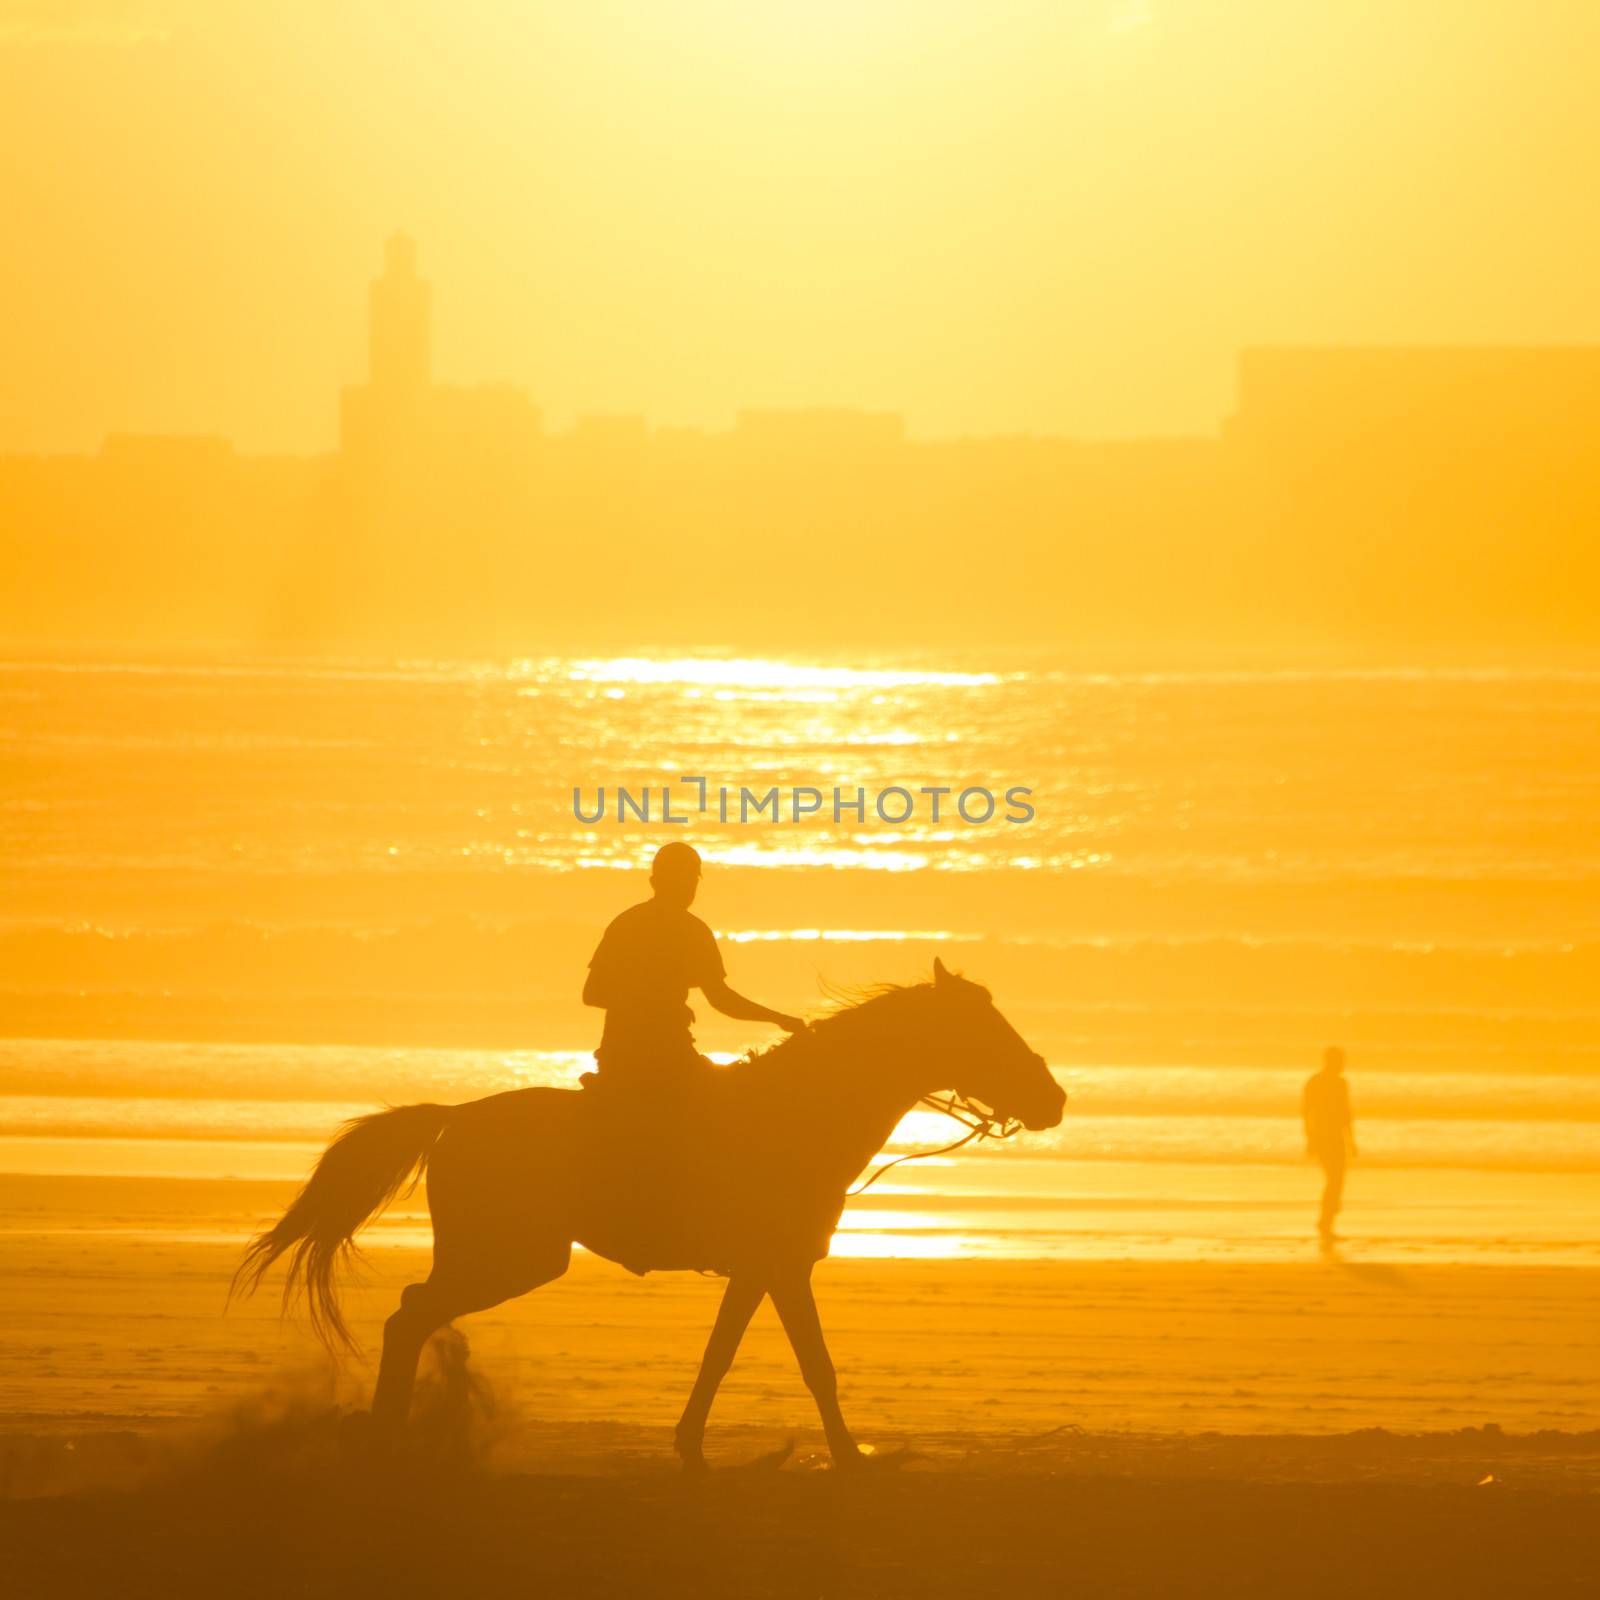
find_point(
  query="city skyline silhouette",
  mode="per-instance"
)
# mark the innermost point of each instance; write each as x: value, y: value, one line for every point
x: 798, y: 207
x: 1346, y: 484
x: 1401, y: 388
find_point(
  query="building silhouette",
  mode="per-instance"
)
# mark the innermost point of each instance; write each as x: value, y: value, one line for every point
x: 401, y: 323
x: 1391, y: 498
x: 400, y: 423
x: 388, y: 413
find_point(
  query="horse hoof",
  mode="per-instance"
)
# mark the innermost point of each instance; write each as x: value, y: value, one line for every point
x: 689, y: 1452
x: 694, y: 1463
x: 771, y: 1461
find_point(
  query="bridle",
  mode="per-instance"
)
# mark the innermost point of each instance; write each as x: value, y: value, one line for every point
x: 979, y: 1123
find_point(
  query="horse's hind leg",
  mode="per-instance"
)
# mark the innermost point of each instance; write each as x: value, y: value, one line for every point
x: 422, y: 1313
x: 455, y: 1287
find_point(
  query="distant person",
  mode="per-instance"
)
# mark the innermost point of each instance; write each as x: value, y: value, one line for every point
x: 1330, y: 1133
x: 649, y: 959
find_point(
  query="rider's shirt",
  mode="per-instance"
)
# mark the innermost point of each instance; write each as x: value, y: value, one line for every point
x: 647, y: 962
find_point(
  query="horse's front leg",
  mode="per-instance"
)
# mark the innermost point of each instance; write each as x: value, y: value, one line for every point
x: 797, y: 1309
x: 739, y: 1302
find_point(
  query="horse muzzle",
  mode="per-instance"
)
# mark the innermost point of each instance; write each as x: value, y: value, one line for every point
x: 1050, y: 1114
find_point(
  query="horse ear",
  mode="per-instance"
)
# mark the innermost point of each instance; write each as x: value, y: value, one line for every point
x: 941, y: 973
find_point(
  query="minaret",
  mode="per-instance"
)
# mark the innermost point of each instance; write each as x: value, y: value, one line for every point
x: 401, y: 324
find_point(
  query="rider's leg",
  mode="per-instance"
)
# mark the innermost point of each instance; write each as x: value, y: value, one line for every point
x: 739, y: 1302
x: 797, y: 1308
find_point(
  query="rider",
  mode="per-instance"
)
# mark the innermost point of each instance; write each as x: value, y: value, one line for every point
x: 647, y: 962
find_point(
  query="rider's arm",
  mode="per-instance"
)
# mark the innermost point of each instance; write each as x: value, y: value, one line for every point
x: 595, y: 990
x: 734, y: 1005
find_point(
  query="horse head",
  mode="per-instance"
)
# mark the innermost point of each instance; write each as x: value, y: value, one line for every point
x: 986, y: 1059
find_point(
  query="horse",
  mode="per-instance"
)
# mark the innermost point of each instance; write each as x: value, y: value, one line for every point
x: 747, y: 1178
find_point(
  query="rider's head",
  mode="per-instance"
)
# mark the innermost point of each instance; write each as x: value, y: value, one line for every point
x: 1333, y: 1059
x: 675, y: 874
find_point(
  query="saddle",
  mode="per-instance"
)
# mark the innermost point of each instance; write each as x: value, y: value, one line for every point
x: 679, y: 1185
x: 649, y: 1133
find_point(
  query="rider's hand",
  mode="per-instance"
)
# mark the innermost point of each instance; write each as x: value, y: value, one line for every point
x: 791, y: 1024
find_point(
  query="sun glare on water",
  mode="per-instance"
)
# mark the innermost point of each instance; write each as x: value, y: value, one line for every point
x: 755, y: 673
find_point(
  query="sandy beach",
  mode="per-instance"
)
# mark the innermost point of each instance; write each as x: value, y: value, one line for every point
x: 1038, y: 1427
x: 116, y: 1317
x: 1173, y: 1527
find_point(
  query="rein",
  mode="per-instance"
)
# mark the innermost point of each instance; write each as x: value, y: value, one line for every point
x: 980, y: 1124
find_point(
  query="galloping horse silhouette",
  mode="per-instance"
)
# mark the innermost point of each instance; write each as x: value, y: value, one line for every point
x: 753, y: 1186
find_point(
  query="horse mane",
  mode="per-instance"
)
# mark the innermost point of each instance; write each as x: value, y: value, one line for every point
x: 852, y: 1007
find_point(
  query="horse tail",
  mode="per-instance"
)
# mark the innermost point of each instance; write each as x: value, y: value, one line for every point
x: 360, y: 1173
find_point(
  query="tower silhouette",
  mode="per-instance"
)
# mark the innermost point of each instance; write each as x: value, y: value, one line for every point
x: 386, y: 420
x: 401, y: 323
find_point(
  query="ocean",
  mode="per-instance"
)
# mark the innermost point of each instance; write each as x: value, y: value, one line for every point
x: 246, y: 899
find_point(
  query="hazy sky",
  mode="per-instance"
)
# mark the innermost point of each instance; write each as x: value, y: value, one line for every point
x: 992, y: 216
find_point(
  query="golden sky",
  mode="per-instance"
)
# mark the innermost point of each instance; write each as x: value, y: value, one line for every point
x: 990, y: 215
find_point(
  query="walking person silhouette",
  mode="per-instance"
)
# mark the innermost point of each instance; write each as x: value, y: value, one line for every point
x: 1330, y: 1133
